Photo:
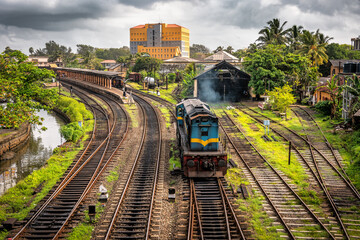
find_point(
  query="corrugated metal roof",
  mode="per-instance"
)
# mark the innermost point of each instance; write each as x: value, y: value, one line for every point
x: 221, y: 55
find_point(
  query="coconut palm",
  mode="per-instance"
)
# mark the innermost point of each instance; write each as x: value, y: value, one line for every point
x: 274, y: 33
x: 265, y: 37
x: 311, y: 47
x: 354, y: 89
x: 293, y: 36
x: 322, y: 39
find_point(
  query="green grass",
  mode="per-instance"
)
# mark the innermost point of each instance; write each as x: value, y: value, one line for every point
x: 81, y: 232
x: 277, y: 155
x: 165, y: 112
x: 133, y: 113
x: 113, y: 176
x: 18, y: 200
x: 260, y: 223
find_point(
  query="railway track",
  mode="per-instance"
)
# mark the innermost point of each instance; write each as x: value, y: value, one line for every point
x: 283, y: 203
x: 322, y: 163
x: 133, y: 211
x: 52, y: 217
x: 211, y: 214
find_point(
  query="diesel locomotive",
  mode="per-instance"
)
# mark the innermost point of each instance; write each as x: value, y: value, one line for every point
x: 201, y: 152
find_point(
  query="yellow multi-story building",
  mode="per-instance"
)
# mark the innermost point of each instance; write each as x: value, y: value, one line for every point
x: 160, y: 40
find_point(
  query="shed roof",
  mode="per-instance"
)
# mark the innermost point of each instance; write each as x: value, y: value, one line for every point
x: 96, y: 72
x: 181, y: 59
x: 335, y: 62
x: 223, y: 65
x: 220, y: 56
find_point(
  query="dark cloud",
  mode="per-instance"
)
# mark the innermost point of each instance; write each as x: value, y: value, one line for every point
x: 326, y: 7
x: 60, y: 16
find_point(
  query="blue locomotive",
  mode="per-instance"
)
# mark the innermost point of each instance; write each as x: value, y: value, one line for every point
x: 201, y: 152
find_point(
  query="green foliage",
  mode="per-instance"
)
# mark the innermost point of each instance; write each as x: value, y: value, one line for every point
x: 75, y: 110
x: 281, y: 98
x: 188, y: 84
x: 21, y: 86
x: 147, y: 63
x: 72, y: 132
x: 334, y: 89
x: 112, y: 53
x: 263, y: 66
x: 171, y: 77
x: 341, y: 51
x: 113, y: 176
x: 18, y: 201
x: 81, y: 232
x: 323, y: 107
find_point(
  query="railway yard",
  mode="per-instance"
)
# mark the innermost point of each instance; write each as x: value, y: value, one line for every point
x: 289, y: 184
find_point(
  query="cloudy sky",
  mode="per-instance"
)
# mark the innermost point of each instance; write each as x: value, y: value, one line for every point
x: 236, y: 23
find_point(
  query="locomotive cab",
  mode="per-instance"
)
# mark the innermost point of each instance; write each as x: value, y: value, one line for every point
x: 201, y: 153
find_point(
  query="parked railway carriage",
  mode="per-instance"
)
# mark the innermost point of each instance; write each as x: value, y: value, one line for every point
x: 201, y: 152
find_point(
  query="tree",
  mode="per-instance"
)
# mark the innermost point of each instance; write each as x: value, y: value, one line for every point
x: 31, y: 51
x: 353, y: 87
x: 334, y: 90
x: 274, y: 33
x: 20, y: 84
x: 148, y: 64
x: 229, y: 49
x: 218, y: 49
x: 293, y: 36
x: 311, y: 47
x: 263, y: 67
x: 198, y: 50
x: 281, y: 98
x: 112, y: 53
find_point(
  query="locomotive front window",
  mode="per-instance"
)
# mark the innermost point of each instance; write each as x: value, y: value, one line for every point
x: 204, y: 119
x: 204, y: 134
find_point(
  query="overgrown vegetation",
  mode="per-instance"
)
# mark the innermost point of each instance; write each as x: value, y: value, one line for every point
x: 259, y: 221
x: 174, y: 160
x: 77, y: 112
x: 276, y: 152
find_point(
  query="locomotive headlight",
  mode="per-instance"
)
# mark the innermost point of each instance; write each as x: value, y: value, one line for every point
x: 222, y: 163
x: 190, y: 163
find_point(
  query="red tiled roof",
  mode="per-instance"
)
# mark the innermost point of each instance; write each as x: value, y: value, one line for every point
x: 173, y: 25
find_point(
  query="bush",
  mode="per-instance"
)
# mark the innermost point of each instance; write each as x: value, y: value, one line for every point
x: 75, y: 110
x: 72, y: 132
x: 323, y: 107
x: 305, y: 101
x: 171, y: 77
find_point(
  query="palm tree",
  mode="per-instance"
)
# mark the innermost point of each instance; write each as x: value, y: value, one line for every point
x: 311, y: 47
x: 334, y: 90
x: 293, y: 36
x: 229, y: 49
x: 265, y: 37
x: 218, y: 49
x: 274, y: 33
x: 354, y: 89
x: 322, y: 39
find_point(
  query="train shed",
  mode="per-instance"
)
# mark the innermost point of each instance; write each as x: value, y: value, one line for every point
x: 103, y: 78
x: 223, y: 82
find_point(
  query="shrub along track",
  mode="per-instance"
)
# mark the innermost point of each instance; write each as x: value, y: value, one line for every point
x: 52, y: 217
x: 331, y: 184
x: 133, y: 211
x: 285, y: 204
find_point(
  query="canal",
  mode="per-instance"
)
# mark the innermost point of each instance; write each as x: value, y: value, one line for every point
x: 34, y: 153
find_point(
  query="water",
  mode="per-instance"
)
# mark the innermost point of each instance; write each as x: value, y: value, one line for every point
x: 34, y: 153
